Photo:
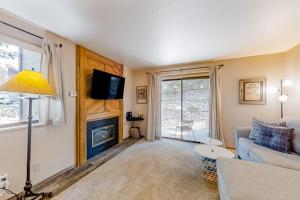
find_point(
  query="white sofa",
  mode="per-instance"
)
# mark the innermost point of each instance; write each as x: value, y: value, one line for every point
x: 244, y: 180
x: 262, y: 173
x: 248, y: 150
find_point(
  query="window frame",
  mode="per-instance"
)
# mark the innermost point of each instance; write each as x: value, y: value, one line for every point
x: 32, y: 47
x: 20, y: 123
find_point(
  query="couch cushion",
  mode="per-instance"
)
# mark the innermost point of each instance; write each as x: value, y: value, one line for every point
x: 276, y: 138
x: 294, y: 123
x: 242, y: 180
x: 271, y: 157
x: 247, y: 150
x: 244, y: 146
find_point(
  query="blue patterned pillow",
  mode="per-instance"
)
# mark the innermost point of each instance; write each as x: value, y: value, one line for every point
x: 276, y: 138
x: 255, y: 128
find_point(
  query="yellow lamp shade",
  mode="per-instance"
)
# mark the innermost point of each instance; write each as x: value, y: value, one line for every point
x: 28, y: 81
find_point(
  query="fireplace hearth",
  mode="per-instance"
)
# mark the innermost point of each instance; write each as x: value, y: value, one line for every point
x: 101, y: 135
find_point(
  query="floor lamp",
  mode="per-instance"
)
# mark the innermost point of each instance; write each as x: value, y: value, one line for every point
x: 29, y: 82
x: 283, y: 97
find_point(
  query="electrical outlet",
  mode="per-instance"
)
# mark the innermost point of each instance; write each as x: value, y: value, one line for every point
x: 36, y: 167
x: 4, y: 183
x: 72, y: 94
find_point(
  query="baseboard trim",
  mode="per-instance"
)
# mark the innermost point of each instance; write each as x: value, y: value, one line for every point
x: 46, y: 181
x: 67, y: 177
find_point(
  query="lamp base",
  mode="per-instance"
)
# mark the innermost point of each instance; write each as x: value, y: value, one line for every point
x: 29, y: 193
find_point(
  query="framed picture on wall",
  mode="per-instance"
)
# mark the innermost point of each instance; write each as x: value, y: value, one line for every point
x: 253, y: 91
x: 141, y: 94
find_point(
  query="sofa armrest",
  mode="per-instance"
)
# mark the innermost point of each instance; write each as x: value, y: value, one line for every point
x: 241, y: 132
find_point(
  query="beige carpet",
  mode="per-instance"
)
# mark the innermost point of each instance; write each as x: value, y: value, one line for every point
x: 166, y: 169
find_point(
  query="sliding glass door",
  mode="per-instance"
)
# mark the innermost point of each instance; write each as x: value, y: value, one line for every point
x: 185, y: 108
x: 171, y: 108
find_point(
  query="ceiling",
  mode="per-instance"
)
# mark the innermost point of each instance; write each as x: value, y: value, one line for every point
x: 143, y: 33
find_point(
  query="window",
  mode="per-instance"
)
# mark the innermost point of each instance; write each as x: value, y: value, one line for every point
x: 13, y: 107
x: 185, y: 108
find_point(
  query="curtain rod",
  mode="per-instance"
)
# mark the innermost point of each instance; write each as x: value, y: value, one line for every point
x: 180, y: 70
x: 60, y: 45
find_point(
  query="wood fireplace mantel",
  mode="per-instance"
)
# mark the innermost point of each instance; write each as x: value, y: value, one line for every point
x: 90, y: 109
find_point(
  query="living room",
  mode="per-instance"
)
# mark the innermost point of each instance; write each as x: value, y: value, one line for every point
x: 192, y: 77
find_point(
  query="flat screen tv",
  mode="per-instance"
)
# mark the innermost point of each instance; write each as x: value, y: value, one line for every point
x: 107, y: 86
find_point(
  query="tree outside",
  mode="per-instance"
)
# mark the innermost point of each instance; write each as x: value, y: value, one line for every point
x: 185, y: 108
x: 12, y: 60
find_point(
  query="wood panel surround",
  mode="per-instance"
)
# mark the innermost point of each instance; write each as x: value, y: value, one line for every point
x: 89, y: 109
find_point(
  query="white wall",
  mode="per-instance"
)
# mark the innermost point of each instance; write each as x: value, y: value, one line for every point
x: 140, y: 79
x: 292, y: 72
x: 234, y: 114
x: 128, y: 99
x: 53, y: 147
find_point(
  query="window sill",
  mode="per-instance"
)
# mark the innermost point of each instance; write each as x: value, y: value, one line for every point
x: 17, y: 127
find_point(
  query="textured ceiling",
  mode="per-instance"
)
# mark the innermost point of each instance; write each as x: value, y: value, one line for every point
x: 139, y: 33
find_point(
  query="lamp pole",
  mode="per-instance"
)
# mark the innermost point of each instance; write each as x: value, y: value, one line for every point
x: 29, y: 82
x: 281, y: 103
x: 28, y: 186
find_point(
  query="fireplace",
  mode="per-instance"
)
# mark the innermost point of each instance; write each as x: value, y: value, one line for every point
x: 101, y: 135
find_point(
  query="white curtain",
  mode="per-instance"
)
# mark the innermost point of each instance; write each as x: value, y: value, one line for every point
x: 52, y: 108
x: 154, y: 122
x: 215, y: 123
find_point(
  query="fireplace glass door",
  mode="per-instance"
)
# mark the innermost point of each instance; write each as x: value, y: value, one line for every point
x: 102, y: 135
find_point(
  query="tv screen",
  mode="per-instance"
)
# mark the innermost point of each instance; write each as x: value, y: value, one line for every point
x: 107, y: 86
